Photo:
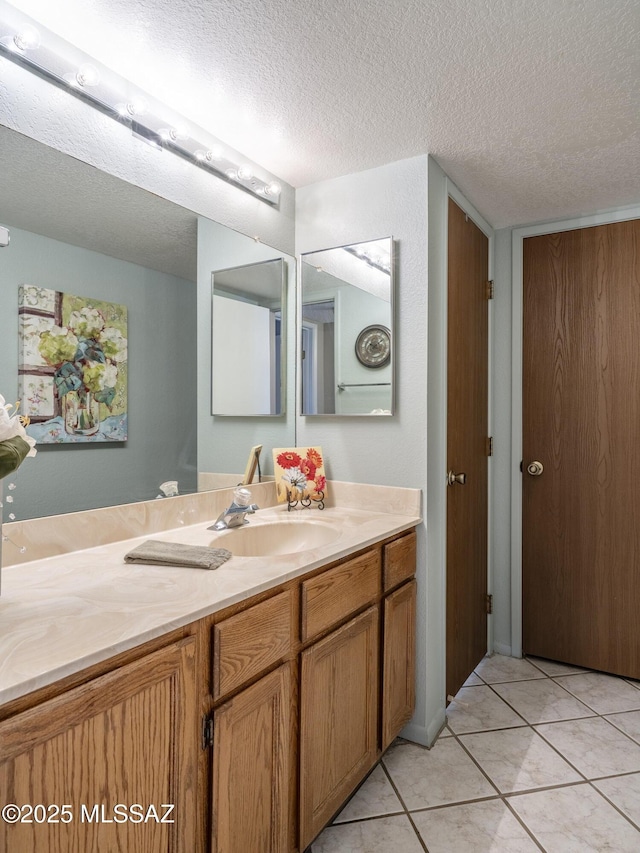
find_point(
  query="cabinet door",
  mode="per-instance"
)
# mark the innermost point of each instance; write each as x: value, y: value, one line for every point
x: 398, y: 673
x: 251, y: 768
x: 339, y: 719
x: 128, y: 737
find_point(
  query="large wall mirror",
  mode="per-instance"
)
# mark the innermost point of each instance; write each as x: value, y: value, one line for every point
x: 346, y: 330
x: 77, y: 230
x: 248, y: 332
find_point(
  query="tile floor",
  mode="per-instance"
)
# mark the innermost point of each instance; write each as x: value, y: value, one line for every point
x: 535, y: 756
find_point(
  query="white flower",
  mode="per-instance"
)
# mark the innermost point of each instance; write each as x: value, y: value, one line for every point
x: 87, y: 322
x: 11, y: 426
x: 114, y: 344
x: 295, y: 478
x: 110, y: 375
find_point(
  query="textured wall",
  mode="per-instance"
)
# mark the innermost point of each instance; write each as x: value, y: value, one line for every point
x: 388, y: 201
x: 161, y: 378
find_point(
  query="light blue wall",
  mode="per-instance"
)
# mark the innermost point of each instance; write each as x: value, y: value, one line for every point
x: 161, y: 372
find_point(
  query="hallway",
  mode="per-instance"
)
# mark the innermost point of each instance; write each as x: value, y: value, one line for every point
x: 535, y: 756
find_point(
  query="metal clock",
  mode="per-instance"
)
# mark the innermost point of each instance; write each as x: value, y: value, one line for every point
x: 373, y: 346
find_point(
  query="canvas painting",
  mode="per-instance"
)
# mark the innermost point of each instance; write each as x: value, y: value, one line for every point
x: 299, y: 474
x: 72, y: 367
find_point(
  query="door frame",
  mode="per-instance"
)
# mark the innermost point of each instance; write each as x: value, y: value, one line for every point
x: 465, y: 205
x: 517, y: 317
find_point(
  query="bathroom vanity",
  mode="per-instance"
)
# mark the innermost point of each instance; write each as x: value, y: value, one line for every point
x: 242, y: 730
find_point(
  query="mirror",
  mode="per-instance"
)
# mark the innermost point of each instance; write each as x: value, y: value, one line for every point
x: 248, y: 336
x: 78, y: 230
x: 346, y: 327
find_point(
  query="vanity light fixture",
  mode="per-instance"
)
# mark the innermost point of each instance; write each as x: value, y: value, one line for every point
x: 374, y: 259
x: 37, y: 49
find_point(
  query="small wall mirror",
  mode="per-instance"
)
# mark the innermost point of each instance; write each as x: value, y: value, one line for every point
x: 346, y: 326
x: 248, y: 335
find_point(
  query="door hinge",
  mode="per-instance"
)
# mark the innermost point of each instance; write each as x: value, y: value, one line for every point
x: 207, y: 732
x: 489, y: 603
x: 490, y: 445
x: 490, y: 289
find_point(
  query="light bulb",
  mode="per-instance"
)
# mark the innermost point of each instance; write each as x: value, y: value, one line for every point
x: 136, y: 107
x: 178, y: 133
x: 231, y: 174
x: 245, y: 173
x: 87, y: 76
x: 27, y: 39
x: 273, y: 188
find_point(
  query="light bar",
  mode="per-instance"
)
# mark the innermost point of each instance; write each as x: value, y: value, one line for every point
x: 32, y: 46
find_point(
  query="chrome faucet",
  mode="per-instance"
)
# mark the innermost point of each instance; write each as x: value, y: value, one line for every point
x: 234, y: 515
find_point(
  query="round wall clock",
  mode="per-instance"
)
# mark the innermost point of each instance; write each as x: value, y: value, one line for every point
x: 373, y: 346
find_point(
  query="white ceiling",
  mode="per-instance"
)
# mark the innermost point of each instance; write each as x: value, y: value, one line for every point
x: 531, y: 106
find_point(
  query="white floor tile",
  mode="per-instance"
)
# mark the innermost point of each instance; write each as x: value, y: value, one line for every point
x: 628, y: 722
x: 478, y: 709
x: 374, y: 798
x: 593, y: 746
x: 518, y: 760
x: 487, y: 827
x: 498, y: 668
x: 433, y: 777
x: 542, y: 701
x: 473, y: 681
x: 606, y: 694
x: 624, y: 791
x: 576, y: 820
x: 382, y: 835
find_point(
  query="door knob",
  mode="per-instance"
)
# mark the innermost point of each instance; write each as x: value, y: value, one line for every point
x: 452, y: 479
x: 535, y: 469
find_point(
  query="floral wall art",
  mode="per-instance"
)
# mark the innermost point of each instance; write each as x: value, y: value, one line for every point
x: 72, y: 367
x: 299, y: 474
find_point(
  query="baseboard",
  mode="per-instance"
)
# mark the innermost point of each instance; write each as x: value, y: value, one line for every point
x: 424, y: 735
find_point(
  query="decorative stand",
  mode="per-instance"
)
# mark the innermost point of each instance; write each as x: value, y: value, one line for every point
x: 305, y: 502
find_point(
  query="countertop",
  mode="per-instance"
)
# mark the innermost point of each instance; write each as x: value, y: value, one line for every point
x: 62, y: 614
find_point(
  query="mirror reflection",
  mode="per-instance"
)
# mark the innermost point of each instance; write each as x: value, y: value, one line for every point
x: 248, y: 336
x: 80, y: 231
x: 347, y: 330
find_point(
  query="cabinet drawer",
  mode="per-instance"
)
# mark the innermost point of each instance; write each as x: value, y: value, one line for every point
x: 250, y: 642
x: 399, y: 561
x: 337, y: 593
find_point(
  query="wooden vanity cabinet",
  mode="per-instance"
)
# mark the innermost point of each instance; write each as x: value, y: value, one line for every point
x: 253, y: 750
x: 338, y: 719
x: 127, y: 737
x: 252, y: 768
x: 256, y: 723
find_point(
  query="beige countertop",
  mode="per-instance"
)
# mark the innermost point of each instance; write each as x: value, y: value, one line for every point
x: 62, y: 614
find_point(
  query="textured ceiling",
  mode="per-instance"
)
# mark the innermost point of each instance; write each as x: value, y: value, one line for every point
x: 531, y: 106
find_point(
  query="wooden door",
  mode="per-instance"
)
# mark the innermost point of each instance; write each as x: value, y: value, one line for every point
x: 128, y: 737
x: 581, y: 420
x: 467, y: 419
x: 252, y: 766
x: 398, y: 664
x: 338, y: 719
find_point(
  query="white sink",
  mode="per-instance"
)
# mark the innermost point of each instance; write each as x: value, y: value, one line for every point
x: 285, y: 536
